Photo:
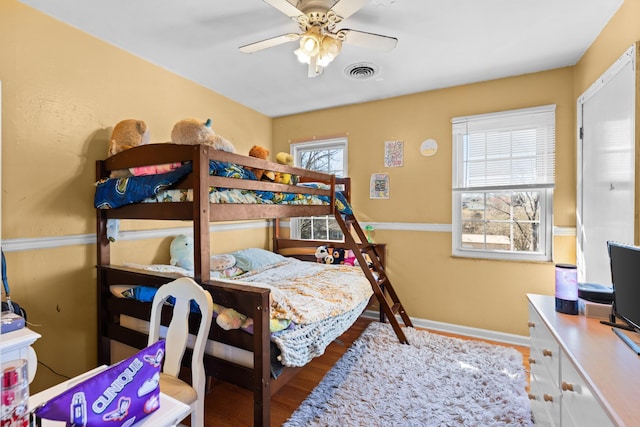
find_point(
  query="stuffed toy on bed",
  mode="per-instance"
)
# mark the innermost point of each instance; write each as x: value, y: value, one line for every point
x: 196, y: 131
x: 127, y: 134
x: 350, y: 258
x: 228, y: 318
x: 181, y: 251
x: 338, y: 255
x: 323, y: 256
x: 285, y: 178
x: 261, y: 153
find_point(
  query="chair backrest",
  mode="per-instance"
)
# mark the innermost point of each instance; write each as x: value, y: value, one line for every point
x: 177, y: 339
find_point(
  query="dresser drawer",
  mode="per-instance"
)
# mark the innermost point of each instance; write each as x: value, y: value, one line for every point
x: 544, y: 350
x: 544, y: 397
x: 579, y: 406
x: 547, y: 359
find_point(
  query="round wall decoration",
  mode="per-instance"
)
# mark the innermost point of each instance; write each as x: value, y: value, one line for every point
x: 428, y: 147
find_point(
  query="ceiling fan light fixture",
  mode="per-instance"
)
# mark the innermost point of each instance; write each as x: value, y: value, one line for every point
x: 302, y: 56
x: 310, y: 44
x: 323, y: 48
x: 329, y: 49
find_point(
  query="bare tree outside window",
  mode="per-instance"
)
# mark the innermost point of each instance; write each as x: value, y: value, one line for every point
x: 502, y: 221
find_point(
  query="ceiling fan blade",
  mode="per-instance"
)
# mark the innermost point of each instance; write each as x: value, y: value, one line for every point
x: 346, y: 8
x: 369, y: 40
x: 264, y: 44
x: 285, y: 7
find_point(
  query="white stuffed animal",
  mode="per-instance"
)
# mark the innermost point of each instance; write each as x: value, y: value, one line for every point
x: 181, y: 250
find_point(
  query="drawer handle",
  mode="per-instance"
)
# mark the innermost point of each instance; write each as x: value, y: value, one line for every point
x: 532, y: 396
x: 532, y: 361
x: 547, y: 353
x: 531, y: 324
x: 566, y: 386
x: 548, y: 398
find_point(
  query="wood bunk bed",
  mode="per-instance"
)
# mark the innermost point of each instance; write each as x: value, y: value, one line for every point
x: 254, y: 301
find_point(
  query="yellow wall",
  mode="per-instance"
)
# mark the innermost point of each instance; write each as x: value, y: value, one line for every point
x: 622, y: 31
x: 62, y: 92
x: 430, y: 282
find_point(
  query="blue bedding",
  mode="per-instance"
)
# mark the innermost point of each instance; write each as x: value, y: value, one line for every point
x: 116, y: 192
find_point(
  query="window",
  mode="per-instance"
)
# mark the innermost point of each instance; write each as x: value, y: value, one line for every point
x: 330, y: 156
x: 503, y: 179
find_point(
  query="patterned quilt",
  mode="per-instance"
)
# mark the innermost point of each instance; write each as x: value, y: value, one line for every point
x: 115, y: 192
x: 307, y: 292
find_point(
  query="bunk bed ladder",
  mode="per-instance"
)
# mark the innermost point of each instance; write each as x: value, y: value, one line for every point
x: 382, y: 288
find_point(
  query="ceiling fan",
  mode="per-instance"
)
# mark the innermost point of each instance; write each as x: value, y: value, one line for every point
x: 320, y: 42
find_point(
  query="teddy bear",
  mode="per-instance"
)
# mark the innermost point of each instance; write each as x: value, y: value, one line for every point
x: 281, y: 177
x: 195, y: 131
x: 261, y: 153
x: 338, y: 255
x: 127, y: 134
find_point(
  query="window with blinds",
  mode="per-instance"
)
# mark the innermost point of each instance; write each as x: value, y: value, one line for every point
x: 329, y: 156
x: 503, y: 179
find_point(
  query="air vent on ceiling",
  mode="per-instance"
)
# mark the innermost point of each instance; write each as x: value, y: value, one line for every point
x: 361, y: 71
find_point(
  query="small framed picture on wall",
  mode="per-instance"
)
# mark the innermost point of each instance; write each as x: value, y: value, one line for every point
x: 379, y: 186
x: 393, y: 154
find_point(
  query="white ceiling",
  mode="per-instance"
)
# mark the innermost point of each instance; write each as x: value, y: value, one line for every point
x: 441, y: 43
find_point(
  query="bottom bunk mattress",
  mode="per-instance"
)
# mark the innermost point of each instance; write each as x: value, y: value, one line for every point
x: 311, y: 304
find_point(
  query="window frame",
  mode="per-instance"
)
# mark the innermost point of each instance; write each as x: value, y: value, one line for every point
x: 545, y: 188
x: 297, y: 149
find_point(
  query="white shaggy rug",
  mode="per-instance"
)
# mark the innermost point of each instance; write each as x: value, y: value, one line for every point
x: 435, y: 381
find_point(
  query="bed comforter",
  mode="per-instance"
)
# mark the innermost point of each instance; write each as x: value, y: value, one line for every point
x: 116, y: 192
x: 321, y: 301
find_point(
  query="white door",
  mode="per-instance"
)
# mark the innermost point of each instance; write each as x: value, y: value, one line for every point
x: 606, y: 169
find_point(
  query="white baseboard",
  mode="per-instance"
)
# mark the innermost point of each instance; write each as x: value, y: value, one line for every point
x: 466, y: 331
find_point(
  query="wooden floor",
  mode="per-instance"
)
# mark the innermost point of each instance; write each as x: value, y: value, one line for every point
x: 231, y: 406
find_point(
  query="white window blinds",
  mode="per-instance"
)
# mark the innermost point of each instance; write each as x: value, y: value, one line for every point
x: 511, y: 149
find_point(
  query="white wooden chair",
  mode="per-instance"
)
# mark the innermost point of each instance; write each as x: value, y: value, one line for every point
x: 177, y: 339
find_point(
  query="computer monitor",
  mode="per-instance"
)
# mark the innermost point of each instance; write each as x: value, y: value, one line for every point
x: 625, y: 277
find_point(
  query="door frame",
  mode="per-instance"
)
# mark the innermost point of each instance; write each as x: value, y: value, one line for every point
x: 631, y: 55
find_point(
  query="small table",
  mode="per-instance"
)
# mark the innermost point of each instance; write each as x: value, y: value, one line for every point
x: 169, y: 414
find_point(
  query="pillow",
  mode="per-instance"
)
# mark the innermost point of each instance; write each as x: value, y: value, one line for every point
x: 256, y: 258
x: 222, y: 262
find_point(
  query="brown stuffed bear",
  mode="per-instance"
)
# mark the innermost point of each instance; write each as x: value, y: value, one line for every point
x: 261, y: 153
x: 127, y: 134
x: 195, y: 131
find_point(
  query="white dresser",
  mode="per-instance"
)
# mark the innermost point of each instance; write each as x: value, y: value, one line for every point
x: 582, y: 374
x: 17, y: 345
